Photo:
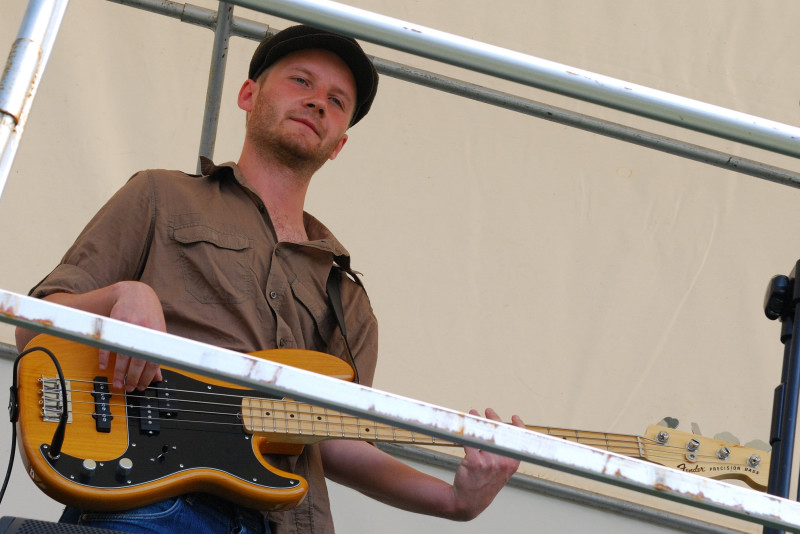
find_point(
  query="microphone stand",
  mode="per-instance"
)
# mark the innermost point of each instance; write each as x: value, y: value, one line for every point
x: 782, y: 301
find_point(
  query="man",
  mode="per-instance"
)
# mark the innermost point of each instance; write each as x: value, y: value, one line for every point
x: 230, y: 258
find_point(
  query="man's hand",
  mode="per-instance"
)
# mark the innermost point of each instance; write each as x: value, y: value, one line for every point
x: 478, y: 479
x: 481, y: 475
x: 132, y: 302
x: 135, y: 303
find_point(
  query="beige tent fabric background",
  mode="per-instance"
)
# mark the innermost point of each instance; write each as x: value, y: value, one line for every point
x: 575, y: 280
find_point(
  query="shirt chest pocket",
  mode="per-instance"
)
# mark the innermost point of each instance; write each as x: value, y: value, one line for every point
x: 216, y: 266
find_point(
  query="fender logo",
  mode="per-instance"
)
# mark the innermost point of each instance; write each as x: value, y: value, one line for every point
x: 701, y: 469
x: 695, y: 469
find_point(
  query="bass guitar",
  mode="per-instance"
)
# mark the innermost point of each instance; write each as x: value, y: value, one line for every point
x: 190, y: 433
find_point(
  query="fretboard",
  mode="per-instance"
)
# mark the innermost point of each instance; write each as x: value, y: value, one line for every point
x: 301, y: 423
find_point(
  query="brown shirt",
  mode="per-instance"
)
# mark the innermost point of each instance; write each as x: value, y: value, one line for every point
x: 207, y: 247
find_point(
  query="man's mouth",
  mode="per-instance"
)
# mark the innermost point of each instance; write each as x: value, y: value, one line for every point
x: 308, y: 123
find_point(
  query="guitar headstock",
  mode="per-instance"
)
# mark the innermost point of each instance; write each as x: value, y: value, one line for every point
x: 706, y: 457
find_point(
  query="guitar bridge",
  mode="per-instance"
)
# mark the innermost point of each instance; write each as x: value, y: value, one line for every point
x: 52, y: 400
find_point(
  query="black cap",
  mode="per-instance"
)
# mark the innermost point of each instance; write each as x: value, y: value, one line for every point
x: 301, y: 37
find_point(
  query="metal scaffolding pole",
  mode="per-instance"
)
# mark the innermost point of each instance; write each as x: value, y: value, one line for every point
x: 199, y: 16
x: 216, y: 77
x: 23, y: 72
x: 374, y: 404
x: 256, y: 31
x: 383, y: 407
x: 535, y: 72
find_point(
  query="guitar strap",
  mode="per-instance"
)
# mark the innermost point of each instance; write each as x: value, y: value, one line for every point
x: 333, y: 286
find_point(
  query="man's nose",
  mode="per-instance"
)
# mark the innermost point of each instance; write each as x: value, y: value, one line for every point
x: 317, y: 103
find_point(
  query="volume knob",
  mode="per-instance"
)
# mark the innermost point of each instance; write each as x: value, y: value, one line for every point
x: 88, y: 468
x: 124, y: 467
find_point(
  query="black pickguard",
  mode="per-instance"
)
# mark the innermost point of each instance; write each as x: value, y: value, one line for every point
x: 195, y: 426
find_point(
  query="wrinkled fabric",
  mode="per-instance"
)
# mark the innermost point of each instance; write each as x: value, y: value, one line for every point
x: 179, y: 515
x: 207, y: 246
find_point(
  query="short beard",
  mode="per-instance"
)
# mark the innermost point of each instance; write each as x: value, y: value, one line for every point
x: 288, y: 150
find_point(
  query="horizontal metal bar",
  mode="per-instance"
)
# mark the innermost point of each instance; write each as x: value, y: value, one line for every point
x: 199, y: 16
x: 535, y: 72
x: 403, y: 412
x: 24, y: 68
x: 590, y: 124
x: 254, y: 30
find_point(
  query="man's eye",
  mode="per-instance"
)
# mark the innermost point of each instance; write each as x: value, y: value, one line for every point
x: 300, y: 80
x: 337, y: 102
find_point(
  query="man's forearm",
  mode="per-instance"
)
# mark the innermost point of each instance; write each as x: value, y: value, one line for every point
x: 376, y: 474
x: 97, y: 301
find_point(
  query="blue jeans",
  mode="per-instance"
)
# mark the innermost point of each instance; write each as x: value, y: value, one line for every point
x: 192, y: 513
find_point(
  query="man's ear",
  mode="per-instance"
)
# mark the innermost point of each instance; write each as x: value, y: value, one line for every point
x: 339, y: 147
x: 247, y: 95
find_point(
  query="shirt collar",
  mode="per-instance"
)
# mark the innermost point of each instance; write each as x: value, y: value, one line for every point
x: 318, y: 234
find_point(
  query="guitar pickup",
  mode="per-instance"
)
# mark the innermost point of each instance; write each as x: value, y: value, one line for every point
x: 166, y: 404
x: 102, y: 410
x: 148, y: 413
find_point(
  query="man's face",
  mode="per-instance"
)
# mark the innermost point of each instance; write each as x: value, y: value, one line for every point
x: 300, y: 107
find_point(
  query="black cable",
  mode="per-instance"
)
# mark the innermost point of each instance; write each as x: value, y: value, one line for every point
x: 10, y: 461
x: 13, y: 411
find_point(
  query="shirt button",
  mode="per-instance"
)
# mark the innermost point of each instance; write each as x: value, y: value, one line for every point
x: 273, y: 295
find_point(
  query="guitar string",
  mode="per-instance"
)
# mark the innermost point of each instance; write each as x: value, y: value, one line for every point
x: 172, y: 390
x: 586, y: 438
x: 351, y: 420
x: 288, y: 423
x: 552, y: 431
x: 601, y: 440
x: 663, y: 452
x: 276, y: 408
x: 563, y: 433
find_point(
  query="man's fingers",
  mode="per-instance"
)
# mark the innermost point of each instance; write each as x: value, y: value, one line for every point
x: 150, y: 372
x: 139, y: 376
x: 120, y: 370
x: 491, y: 414
x: 134, y: 373
x: 103, y: 358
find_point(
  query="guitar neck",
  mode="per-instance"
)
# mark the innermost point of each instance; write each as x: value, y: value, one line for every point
x: 283, y: 421
x: 300, y: 423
